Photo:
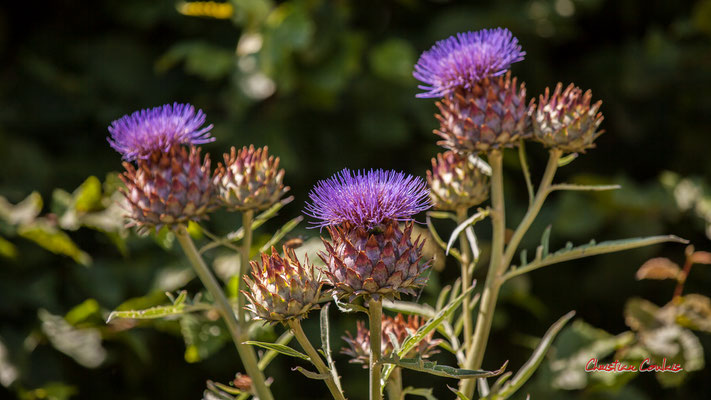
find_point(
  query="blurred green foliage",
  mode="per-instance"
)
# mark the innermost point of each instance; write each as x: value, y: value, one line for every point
x: 326, y: 84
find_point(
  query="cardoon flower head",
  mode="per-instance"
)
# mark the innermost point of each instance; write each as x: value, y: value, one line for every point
x: 249, y: 179
x: 456, y: 183
x: 281, y: 288
x: 359, y: 346
x: 463, y: 60
x: 566, y: 119
x: 159, y: 129
x: 368, y: 253
x: 367, y: 199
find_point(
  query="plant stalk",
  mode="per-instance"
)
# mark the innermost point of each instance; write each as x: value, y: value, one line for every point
x: 475, y: 352
x: 375, y: 316
x: 679, y: 289
x: 247, y: 218
x: 316, y: 360
x: 465, y: 253
x: 246, y: 352
x: 394, y: 385
x: 543, y: 190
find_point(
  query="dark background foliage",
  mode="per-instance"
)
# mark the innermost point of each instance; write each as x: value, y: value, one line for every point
x: 331, y: 87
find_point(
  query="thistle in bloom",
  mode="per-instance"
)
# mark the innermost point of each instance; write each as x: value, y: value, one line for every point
x: 249, y: 179
x: 159, y: 129
x: 281, y: 288
x: 168, y: 188
x: 461, y: 61
x: 369, y: 254
x: 359, y: 346
x: 456, y: 183
x: 566, y: 120
x: 170, y: 184
x: 491, y: 115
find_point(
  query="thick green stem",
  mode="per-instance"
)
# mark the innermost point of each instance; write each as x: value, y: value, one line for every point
x: 475, y: 352
x: 247, y: 217
x: 543, y: 190
x: 246, y: 352
x: 466, y: 279
x: 375, y: 316
x: 394, y: 386
x: 316, y: 360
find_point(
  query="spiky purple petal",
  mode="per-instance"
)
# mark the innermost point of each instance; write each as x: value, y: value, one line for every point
x: 464, y: 59
x: 365, y: 199
x: 158, y: 129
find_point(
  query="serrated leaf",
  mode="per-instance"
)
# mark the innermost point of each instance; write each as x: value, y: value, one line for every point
x: 158, y: 312
x: 279, y: 348
x: 422, y: 332
x: 461, y: 227
x: 56, y: 241
x: 658, y: 268
x: 326, y: 345
x: 310, y: 374
x: 267, y: 357
x: 591, y: 249
x: 432, y: 368
x: 525, y: 372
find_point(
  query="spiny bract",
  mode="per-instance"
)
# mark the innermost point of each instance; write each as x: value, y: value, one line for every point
x: 381, y: 262
x: 566, y: 120
x: 281, y: 288
x: 249, y: 179
x: 491, y: 115
x: 168, y: 188
x: 455, y: 182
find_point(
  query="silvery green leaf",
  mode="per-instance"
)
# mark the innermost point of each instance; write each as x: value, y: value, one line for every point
x: 588, y: 188
x: 532, y: 364
x: 468, y: 222
x: 422, y: 392
x: 279, y: 348
x: 310, y: 374
x: 406, y: 307
x: 432, y: 368
x: 422, y: 332
x: 590, y: 249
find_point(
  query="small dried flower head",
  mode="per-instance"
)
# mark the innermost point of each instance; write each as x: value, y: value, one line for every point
x: 359, y: 346
x: 367, y: 199
x: 463, y: 60
x: 168, y: 188
x: 159, y: 129
x: 281, y: 288
x: 250, y: 179
x: 243, y: 382
x: 491, y: 115
x: 567, y: 120
x: 455, y: 182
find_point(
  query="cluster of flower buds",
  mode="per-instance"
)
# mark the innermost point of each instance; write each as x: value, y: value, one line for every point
x: 171, y: 184
x: 399, y: 328
x: 483, y: 109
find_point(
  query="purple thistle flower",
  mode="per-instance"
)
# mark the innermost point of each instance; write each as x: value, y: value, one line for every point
x: 158, y: 129
x: 463, y: 60
x: 367, y: 199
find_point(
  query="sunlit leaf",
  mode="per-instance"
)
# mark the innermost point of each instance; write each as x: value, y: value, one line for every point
x: 658, y: 268
x: 83, y: 345
x: 432, y: 368
x: 54, y: 240
x: 279, y: 348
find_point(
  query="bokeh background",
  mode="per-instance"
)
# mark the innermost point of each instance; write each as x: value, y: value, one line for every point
x: 326, y: 85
